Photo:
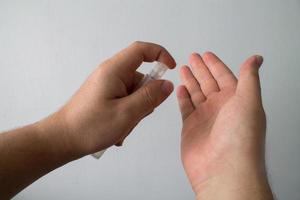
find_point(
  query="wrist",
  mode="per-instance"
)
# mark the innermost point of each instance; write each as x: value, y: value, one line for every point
x: 226, y: 190
x: 247, y: 183
x: 53, y: 133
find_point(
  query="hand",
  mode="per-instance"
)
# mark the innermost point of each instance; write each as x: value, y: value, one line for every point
x: 106, y: 108
x: 224, y: 126
x: 102, y: 113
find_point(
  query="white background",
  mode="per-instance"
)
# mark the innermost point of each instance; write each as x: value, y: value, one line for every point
x: 48, y: 48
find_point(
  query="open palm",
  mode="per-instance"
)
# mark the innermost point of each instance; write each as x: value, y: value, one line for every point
x: 223, y: 118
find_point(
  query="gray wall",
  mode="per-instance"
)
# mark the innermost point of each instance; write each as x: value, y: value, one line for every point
x: 47, y: 49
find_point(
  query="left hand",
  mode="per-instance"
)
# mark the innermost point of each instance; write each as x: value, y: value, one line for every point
x: 224, y: 127
x: 106, y: 108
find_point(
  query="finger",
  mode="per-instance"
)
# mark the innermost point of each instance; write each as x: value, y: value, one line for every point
x: 144, y: 100
x: 137, y: 78
x: 207, y: 82
x: 192, y: 85
x: 184, y: 101
x: 221, y: 73
x: 248, y: 83
x: 121, y: 141
x: 119, y: 144
x: 132, y: 57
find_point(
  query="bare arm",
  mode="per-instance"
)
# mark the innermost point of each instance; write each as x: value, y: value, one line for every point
x: 102, y: 113
x: 224, y: 127
x: 28, y: 153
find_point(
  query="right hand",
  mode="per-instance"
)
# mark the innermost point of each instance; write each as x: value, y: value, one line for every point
x: 224, y: 126
x: 108, y: 106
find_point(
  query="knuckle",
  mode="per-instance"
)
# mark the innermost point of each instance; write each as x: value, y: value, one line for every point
x: 209, y: 82
x: 137, y: 43
x: 160, y: 47
x: 208, y: 79
x: 106, y: 63
x: 148, y: 98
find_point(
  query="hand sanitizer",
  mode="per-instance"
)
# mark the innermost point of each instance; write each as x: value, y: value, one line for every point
x: 156, y: 73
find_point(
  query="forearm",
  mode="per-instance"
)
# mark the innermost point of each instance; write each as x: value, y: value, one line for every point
x: 29, y: 153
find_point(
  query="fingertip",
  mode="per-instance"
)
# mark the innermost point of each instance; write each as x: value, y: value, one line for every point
x: 173, y: 63
x: 193, y: 57
x: 167, y: 87
x: 252, y: 64
x: 249, y: 83
x: 259, y: 60
x: 166, y: 58
x: 255, y: 60
x: 194, y: 54
x: 209, y: 57
x: 139, y: 52
x: 119, y: 144
x: 208, y: 54
x: 183, y: 69
x: 185, y: 73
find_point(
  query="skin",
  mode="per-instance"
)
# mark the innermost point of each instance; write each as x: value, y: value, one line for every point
x: 102, y: 113
x: 224, y: 126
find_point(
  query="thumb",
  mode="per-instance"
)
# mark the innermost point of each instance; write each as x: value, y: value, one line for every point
x: 144, y: 100
x: 248, y: 83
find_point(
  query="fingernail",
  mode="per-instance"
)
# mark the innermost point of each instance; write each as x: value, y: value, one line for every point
x: 195, y: 54
x: 259, y: 60
x: 167, y: 87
